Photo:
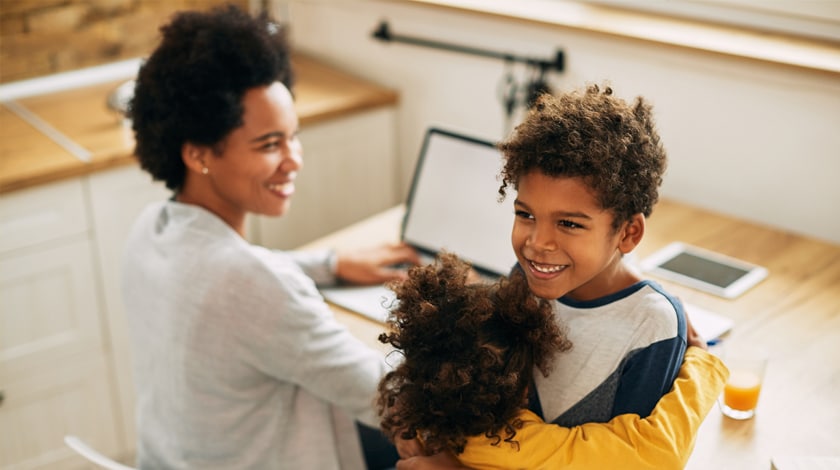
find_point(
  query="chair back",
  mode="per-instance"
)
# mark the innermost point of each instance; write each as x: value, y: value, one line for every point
x: 92, y: 455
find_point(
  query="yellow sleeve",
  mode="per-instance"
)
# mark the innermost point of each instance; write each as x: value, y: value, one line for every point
x: 663, y: 440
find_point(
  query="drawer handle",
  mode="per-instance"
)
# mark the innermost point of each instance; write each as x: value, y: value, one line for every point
x: 2, y: 397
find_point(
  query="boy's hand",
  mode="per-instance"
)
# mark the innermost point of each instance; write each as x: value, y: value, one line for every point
x: 408, y: 447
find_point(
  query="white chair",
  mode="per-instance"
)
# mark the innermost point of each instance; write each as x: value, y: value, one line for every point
x: 92, y: 455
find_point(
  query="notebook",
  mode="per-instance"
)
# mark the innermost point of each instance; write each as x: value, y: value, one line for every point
x: 710, y: 325
x: 452, y: 205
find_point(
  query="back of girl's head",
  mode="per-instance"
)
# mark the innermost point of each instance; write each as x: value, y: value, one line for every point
x: 190, y: 89
x: 469, y: 353
x: 613, y: 145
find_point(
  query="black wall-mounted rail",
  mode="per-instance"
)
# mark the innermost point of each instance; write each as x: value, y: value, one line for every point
x: 384, y: 33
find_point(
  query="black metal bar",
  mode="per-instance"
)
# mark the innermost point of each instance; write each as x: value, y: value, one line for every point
x: 383, y: 33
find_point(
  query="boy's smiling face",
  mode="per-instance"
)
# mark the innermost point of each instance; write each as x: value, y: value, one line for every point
x: 565, y: 241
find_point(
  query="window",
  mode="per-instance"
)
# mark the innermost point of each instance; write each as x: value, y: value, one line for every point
x: 818, y: 19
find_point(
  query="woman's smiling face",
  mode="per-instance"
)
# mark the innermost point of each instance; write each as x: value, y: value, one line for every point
x: 255, y: 166
x: 563, y: 239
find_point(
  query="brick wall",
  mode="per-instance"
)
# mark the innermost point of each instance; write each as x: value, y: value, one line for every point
x: 42, y: 37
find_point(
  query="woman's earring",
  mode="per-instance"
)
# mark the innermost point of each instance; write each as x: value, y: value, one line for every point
x: 204, y: 170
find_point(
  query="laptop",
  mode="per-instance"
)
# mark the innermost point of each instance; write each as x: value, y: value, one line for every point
x: 452, y: 205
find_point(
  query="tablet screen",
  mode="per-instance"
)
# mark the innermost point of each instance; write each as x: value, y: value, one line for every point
x: 704, y: 269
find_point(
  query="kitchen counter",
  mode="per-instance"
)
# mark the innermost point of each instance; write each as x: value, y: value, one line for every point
x: 29, y: 157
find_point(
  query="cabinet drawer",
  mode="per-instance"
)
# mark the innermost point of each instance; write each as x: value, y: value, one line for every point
x: 32, y: 216
x: 74, y: 396
x: 48, y: 307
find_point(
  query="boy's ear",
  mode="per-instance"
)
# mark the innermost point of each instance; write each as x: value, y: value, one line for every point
x: 194, y: 157
x: 632, y: 233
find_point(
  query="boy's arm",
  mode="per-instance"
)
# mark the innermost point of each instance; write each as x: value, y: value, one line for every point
x: 664, y: 440
x: 647, y: 376
x: 650, y: 372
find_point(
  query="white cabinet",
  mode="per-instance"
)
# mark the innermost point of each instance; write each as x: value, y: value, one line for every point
x: 54, y: 369
x: 117, y: 197
x: 64, y: 361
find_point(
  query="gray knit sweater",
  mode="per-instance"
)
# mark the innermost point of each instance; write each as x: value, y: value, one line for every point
x: 238, y: 362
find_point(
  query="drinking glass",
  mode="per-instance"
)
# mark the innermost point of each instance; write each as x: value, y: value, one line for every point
x: 746, y: 375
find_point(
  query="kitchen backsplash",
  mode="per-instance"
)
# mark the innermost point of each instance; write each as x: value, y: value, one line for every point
x: 43, y: 37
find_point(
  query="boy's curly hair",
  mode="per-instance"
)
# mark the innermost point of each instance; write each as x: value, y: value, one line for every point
x: 592, y: 134
x: 190, y: 89
x: 469, y: 354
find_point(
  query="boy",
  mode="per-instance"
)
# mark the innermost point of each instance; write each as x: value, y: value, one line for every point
x: 586, y: 167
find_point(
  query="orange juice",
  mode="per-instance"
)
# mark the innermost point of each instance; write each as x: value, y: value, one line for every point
x: 741, y: 391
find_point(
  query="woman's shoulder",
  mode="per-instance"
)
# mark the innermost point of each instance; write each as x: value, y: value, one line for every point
x: 265, y: 285
x: 652, y: 313
x: 265, y: 266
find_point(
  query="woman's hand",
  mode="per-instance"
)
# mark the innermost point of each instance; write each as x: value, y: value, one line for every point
x: 376, y: 265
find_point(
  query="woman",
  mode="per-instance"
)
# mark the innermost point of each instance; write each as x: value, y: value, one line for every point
x: 238, y: 361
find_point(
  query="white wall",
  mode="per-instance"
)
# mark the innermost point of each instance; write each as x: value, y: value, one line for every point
x: 749, y: 139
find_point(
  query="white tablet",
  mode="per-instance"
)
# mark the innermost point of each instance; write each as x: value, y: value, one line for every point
x: 704, y: 270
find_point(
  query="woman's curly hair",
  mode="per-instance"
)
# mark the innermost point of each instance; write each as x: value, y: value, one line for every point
x: 469, y: 354
x: 591, y: 134
x: 190, y: 89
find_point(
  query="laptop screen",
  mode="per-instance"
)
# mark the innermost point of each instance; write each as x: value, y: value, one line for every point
x: 453, y: 202
x: 452, y: 205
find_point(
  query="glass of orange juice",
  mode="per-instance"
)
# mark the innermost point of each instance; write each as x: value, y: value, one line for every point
x: 746, y: 375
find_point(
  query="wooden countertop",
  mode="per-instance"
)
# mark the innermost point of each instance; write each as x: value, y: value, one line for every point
x: 794, y: 314
x: 28, y: 157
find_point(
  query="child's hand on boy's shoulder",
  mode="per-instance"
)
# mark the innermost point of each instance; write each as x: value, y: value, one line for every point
x: 440, y: 461
x: 693, y: 337
x: 408, y: 447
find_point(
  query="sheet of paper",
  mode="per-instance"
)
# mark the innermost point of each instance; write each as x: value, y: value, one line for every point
x: 805, y: 463
x: 709, y: 324
x: 370, y: 301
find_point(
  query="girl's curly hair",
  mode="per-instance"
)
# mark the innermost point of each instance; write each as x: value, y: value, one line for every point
x: 469, y: 354
x: 190, y: 89
x: 592, y: 134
